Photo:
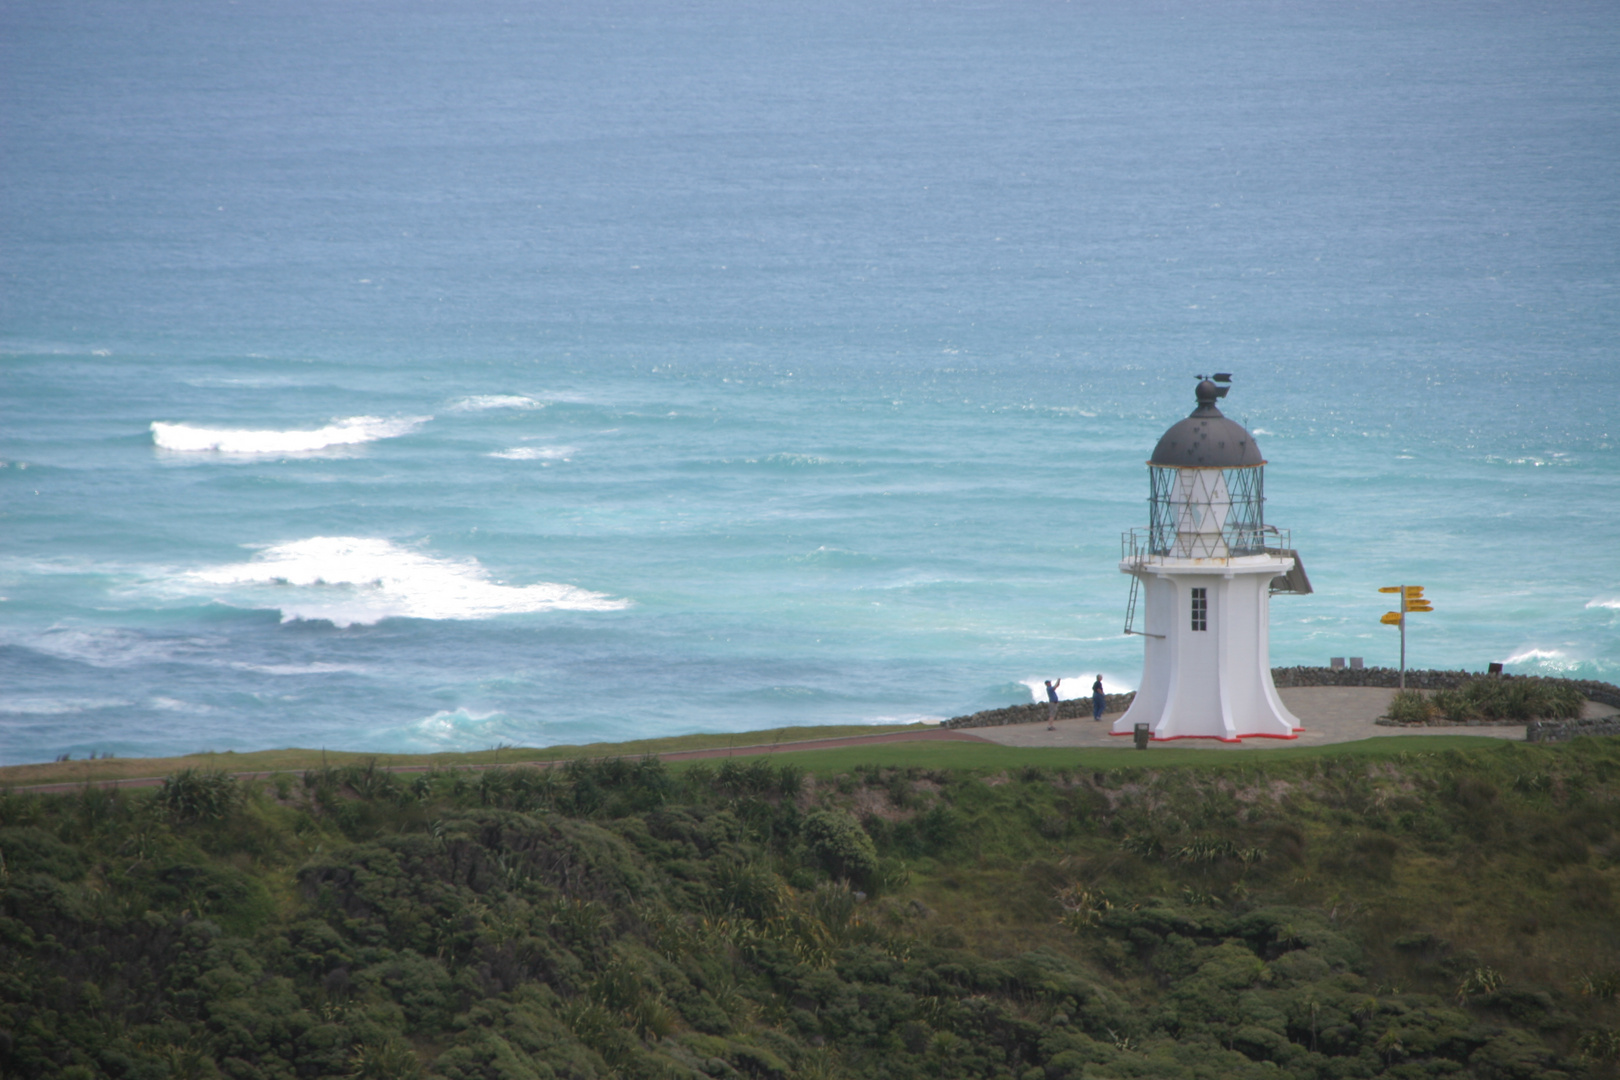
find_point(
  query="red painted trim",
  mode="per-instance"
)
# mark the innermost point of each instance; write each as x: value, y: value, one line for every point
x: 1217, y: 738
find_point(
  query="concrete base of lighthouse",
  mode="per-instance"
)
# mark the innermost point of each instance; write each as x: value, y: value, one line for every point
x: 1208, y: 677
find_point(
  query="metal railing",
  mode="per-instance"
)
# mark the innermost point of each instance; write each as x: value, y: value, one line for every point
x: 1139, y: 545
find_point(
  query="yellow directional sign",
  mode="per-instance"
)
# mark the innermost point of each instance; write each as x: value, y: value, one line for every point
x: 1412, y: 599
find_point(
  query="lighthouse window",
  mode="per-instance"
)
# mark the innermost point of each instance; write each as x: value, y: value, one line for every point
x: 1200, y: 609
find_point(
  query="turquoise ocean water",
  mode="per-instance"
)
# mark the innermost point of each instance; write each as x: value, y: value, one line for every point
x: 412, y: 376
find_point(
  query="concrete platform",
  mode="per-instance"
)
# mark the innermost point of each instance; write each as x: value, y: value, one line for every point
x: 1331, y: 714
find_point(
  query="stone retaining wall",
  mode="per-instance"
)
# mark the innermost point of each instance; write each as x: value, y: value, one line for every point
x: 1565, y: 730
x: 1389, y: 678
x: 1035, y: 712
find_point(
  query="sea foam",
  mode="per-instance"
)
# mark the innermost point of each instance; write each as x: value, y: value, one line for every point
x: 108, y: 647
x: 348, y: 580
x: 184, y: 438
x: 1076, y: 687
x: 536, y: 453
x: 1547, y: 661
x: 480, y: 402
x: 52, y: 706
x: 454, y: 729
x: 1534, y: 654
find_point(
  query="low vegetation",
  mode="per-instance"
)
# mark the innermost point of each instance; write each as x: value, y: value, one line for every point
x: 1422, y: 913
x: 1490, y: 699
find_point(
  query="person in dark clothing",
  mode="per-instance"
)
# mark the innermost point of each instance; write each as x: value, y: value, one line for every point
x: 1098, y: 699
x: 1052, y: 703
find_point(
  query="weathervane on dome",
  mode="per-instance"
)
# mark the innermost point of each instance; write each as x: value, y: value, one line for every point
x: 1205, y: 570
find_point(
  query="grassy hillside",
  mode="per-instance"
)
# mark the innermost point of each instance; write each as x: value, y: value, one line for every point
x: 1419, y: 908
x: 298, y: 759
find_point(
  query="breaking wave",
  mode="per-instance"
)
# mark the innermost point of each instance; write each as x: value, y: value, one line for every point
x: 348, y: 581
x: 184, y: 438
x: 480, y: 402
x: 536, y: 453
x: 1075, y: 687
x: 52, y: 706
x: 1547, y: 661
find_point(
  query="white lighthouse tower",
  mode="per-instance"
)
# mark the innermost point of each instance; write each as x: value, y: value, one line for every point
x: 1206, y: 567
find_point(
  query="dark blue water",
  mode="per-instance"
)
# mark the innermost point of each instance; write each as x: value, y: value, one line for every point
x: 414, y: 376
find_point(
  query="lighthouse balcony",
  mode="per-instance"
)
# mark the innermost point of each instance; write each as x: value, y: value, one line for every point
x: 1240, y: 550
x: 1233, y: 542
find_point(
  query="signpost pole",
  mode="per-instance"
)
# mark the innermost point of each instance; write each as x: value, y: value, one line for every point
x: 1403, y: 638
x: 1412, y: 599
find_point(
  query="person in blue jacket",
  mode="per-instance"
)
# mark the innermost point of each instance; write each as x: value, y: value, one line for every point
x: 1098, y: 699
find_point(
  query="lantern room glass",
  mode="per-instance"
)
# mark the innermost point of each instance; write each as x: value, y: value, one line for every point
x: 1202, y: 513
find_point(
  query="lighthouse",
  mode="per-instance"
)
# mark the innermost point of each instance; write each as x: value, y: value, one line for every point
x: 1204, y: 571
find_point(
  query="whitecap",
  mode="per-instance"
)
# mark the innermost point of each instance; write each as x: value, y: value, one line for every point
x: 318, y: 668
x: 1535, y: 654
x: 348, y: 580
x: 1545, y: 660
x: 50, y: 706
x: 536, y: 453
x: 795, y: 460
x: 456, y: 724
x: 834, y: 556
x: 103, y: 647
x: 480, y: 402
x: 905, y: 718
x: 184, y: 438
x: 169, y: 704
x: 1611, y: 602
x: 457, y: 729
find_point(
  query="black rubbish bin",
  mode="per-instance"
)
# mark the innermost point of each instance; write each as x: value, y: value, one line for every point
x: 1143, y: 734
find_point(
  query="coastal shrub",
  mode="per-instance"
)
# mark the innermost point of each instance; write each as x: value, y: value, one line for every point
x: 1604, y: 986
x: 1521, y: 700
x: 839, y: 844
x: 748, y: 888
x: 789, y: 780
x: 745, y: 778
x: 199, y: 795
x: 1411, y: 707
x: 32, y: 850
x: 389, y: 1060
x: 1453, y: 704
x: 1491, y: 698
x: 1602, y: 1045
x: 461, y: 940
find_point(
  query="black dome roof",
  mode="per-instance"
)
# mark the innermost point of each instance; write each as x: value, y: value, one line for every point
x: 1207, y: 439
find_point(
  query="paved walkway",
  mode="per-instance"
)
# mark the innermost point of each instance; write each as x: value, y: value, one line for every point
x: 1331, y: 714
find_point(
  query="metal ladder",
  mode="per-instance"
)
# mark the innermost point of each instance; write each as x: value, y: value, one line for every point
x: 1130, y: 611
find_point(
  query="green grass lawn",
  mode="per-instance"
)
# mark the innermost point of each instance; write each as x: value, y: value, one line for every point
x: 919, y: 754
x: 295, y: 759
x: 988, y: 756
